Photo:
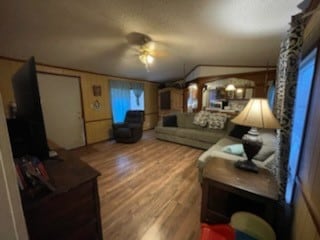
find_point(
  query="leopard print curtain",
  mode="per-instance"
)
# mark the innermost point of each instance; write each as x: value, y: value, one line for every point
x: 287, y: 74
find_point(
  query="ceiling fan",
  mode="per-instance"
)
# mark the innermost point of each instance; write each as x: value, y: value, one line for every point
x: 147, y: 49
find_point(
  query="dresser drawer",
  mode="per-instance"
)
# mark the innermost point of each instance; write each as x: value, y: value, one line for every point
x: 64, y: 213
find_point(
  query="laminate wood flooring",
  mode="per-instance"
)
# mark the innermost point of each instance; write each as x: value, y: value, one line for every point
x: 148, y: 190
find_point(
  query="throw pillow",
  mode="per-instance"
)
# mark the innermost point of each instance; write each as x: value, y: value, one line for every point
x: 217, y: 120
x: 201, y: 118
x: 235, y: 149
x: 169, y: 121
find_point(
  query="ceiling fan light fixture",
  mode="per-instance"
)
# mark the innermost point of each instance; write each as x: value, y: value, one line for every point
x: 146, y: 58
x: 150, y: 59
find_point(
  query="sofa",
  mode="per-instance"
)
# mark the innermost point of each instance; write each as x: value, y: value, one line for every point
x: 223, y: 148
x: 180, y: 128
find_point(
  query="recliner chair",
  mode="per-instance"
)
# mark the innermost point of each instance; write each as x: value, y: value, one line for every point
x: 130, y: 131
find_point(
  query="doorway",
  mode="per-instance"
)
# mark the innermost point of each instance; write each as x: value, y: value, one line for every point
x: 62, y: 109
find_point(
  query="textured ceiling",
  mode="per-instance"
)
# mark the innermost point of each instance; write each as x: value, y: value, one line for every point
x: 91, y: 35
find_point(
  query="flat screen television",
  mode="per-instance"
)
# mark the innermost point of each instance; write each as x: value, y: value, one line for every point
x: 29, y: 111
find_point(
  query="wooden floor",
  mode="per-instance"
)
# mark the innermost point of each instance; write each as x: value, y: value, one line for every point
x: 148, y: 190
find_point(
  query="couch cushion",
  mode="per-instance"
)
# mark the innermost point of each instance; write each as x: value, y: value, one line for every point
x: 166, y: 130
x: 185, y: 120
x: 203, y: 136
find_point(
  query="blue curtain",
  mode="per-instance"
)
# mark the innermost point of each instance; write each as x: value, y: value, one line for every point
x: 120, y: 99
x: 138, y: 90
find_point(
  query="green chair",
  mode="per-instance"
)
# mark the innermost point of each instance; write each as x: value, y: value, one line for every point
x: 252, y: 225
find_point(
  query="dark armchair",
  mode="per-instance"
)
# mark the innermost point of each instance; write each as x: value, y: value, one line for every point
x: 130, y: 131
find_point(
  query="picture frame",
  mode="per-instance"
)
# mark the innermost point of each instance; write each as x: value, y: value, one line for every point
x: 96, y: 89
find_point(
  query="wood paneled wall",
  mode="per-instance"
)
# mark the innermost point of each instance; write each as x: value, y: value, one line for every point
x: 98, y: 122
x: 150, y: 105
x: 303, y: 226
x: 307, y: 199
x: 88, y: 98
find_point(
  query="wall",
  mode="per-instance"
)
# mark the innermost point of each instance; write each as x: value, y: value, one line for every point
x: 303, y: 225
x: 98, y: 123
x: 150, y: 105
x: 11, y: 214
x: 207, y: 71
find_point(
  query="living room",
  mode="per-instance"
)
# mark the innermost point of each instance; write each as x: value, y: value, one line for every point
x: 151, y: 189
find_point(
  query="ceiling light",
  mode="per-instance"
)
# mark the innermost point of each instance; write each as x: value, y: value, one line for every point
x: 146, y: 58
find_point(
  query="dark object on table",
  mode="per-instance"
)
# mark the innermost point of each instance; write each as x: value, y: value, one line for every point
x: 131, y: 130
x: 252, y: 144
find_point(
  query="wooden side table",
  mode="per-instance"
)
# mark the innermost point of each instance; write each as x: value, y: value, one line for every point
x: 226, y: 190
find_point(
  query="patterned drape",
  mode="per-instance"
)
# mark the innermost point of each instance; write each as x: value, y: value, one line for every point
x: 286, y: 82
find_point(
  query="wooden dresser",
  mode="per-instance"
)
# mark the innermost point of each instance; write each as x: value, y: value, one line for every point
x: 73, y: 210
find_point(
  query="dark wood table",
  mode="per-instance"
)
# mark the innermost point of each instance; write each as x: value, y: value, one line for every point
x: 72, y: 211
x: 226, y: 190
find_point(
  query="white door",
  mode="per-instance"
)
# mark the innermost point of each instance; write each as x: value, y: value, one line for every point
x: 61, y: 107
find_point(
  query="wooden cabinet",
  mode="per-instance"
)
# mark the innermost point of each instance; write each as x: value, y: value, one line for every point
x: 170, y: 100
x: 227, y: 189
x: 72, y: 211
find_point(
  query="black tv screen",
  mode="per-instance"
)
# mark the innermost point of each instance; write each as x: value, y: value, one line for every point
x: 27, y: 97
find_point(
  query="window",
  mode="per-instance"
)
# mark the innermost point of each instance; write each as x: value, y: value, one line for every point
x: 125, y: 96
x: 136, y: 103
x: 306, y: 72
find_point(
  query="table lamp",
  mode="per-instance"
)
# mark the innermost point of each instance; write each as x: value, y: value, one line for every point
x: 256, y: 114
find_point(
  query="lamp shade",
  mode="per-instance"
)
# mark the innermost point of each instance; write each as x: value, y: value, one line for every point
x: 257, y: 113
x: 230, y: 87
